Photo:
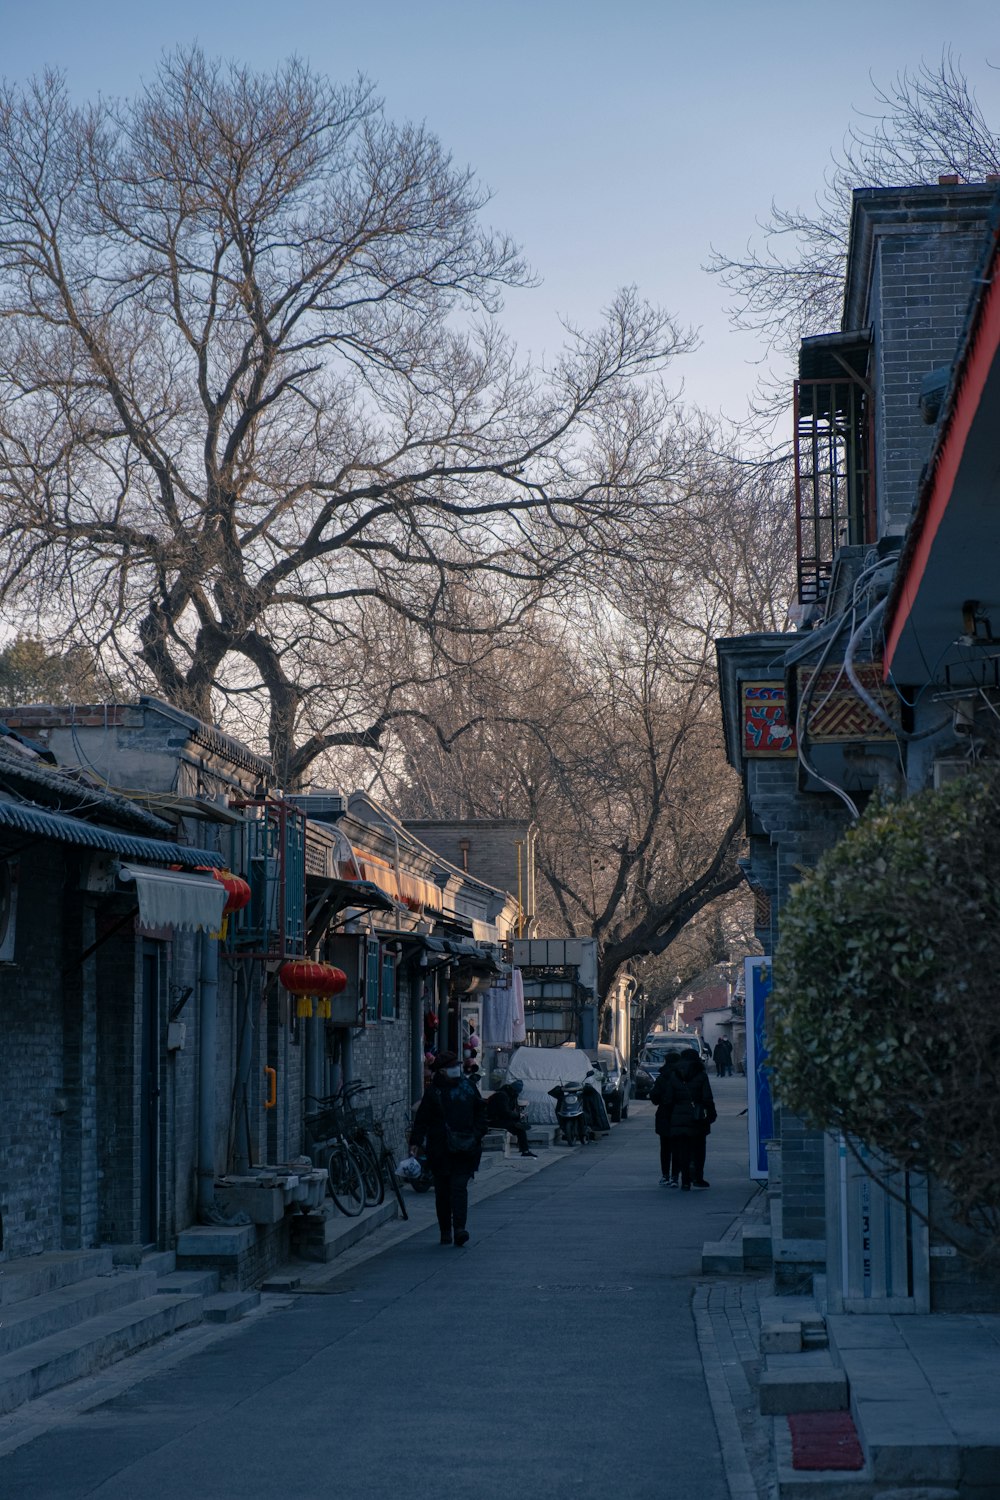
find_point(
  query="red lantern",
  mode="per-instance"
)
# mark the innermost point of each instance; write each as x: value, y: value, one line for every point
x: 237, y: 895
x: 308, y: 980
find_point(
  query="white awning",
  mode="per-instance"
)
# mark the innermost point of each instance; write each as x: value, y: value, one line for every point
x: 169, y: 899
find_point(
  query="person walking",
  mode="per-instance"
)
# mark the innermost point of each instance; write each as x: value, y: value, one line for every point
x: 669, y: 1168
x: 687, y: 1096
x: 502, y: 1113
x: 449, y: 1124
x: 722, y: 1055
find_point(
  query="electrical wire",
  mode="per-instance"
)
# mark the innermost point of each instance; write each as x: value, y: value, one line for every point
x: 868, y: 623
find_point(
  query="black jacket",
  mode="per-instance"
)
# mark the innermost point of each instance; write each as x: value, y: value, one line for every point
x: 502, y: 1110
x: 685, y: 1102
x: 449, y: 1103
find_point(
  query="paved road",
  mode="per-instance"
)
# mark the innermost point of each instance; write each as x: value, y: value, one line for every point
x: 554, y: 1358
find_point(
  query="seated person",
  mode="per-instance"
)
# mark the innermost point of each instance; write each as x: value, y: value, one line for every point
x: 502, y: 1113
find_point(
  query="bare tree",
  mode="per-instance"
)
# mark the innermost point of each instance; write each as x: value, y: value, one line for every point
x: 927, y: 123
x: 256, y: 416
x: 605, y: 727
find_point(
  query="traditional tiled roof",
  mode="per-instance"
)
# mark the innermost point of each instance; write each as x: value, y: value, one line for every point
x: 24, y: 774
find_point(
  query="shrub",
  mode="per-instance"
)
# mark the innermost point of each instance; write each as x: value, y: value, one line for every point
x: 886, y: 1017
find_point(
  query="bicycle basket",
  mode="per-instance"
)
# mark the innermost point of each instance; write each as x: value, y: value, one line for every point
x: 361, y: 1115
x: 329, y: 1120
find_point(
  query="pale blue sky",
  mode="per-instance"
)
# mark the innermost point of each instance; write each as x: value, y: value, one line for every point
x: 621, y: 140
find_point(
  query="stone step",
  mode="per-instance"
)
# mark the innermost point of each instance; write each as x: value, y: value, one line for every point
x: 189, y: 1283
x: 34, y: 1318
x: 722, y: 1258
x: 228, y: 1307
x: 322, y: 1239
x: 817, y: 1484
x: 160, y: 1261
x: 62, y: 1357
x: 138, y: 1257
x: 37, y: 1274
x: 757, y: 1253
x: 808, y: 1381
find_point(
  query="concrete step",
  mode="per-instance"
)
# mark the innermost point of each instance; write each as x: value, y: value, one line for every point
x: 34, y: 1318
x: 37, y: 1274
x: 757, y: 1254
x: 722, y: 1258
x: 62, y: 1357
x: 228, y: 1307
x: 140, y: 1257
x: 322, y: 1239
x: 808, y: 1381
x: 817, y: 1484
x: 189, y: 1283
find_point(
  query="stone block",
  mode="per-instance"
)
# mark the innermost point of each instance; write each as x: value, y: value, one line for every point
x: 781, y: 1338
x: 211, y: 1239
x: 227, y: 1307
x: 722, y: 1258
x: 783, y: 1390
x: 262, y: 1203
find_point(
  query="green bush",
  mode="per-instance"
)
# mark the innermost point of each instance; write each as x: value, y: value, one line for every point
x: 886, y: 1022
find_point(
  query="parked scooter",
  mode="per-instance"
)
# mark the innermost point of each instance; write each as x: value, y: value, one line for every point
x: 569, y: 1113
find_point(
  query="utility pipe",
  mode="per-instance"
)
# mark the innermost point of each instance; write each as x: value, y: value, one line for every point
x: 207, y: 1047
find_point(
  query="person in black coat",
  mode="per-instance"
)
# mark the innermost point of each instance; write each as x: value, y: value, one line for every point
x: 669, y: 1171
x: 449, y: 1124
x: 723, y: 1055
x: 687, y: 1097
x: 502, y: 1113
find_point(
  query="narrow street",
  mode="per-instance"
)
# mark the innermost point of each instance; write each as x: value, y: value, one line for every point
x: 554, y: 1357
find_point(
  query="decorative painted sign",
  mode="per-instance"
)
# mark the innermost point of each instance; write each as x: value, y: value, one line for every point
x: 837, y: 713
x: 766, y: 730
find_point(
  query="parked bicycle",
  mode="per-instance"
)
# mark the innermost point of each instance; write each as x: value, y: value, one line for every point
x: 369, y: 1137
x: 327, y: 1140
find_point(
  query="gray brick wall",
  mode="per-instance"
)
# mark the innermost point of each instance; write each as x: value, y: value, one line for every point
x: 920, y: 294
x: 491, y: 852
x: 31, y: 1072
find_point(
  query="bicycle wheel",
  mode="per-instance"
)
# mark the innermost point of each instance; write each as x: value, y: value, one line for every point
x: 389, y: 1175
x: 370, y: 1174
x: 344, y: 1181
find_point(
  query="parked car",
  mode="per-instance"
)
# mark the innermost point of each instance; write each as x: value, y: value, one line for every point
x: 653, y: 1053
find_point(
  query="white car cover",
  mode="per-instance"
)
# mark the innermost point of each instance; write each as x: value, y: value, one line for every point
x: 540, y: 1069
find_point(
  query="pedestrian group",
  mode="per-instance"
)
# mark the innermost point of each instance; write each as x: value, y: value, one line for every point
x: 685, y: 1113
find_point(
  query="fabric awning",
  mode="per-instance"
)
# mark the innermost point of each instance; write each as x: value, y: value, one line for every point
x: 67, y: 830
x: 170, y: 899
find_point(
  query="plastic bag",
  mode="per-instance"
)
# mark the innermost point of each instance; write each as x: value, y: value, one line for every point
x: 409, y: 1169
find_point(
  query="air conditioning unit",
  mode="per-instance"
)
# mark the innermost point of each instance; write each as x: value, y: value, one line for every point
x: 324, y: 807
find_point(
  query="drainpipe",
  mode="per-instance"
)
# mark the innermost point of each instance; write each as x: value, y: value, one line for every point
x: 208, y: 1030
x: 241, y: 1140
x: 315, y: 1058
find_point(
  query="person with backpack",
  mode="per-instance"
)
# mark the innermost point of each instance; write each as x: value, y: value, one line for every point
x: 449, y: 1124
x: 690, y: 1109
